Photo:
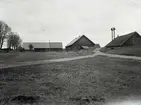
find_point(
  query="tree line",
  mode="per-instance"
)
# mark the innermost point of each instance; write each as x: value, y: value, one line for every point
x: 12, y: 38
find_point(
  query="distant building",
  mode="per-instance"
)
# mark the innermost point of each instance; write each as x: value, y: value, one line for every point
x: 44, y: 46
x: 125, y: 40
x: 81, y: 42
x: 97, y: 46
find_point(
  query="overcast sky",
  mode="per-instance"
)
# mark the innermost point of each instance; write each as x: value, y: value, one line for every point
x: 63, y: 20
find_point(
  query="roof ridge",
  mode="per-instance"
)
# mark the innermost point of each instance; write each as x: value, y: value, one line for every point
x: 118, y: 41
x: 74, y: 40
x: 129, y: 33
x: 132, y: 33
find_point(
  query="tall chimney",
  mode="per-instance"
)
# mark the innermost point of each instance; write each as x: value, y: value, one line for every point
x: 113, y: 32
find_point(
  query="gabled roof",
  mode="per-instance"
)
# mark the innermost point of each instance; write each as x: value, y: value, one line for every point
x: 118, y: 41
x: 76, y: 39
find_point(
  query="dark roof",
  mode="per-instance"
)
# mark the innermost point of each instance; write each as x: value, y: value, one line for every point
x: 120, y: 40
x: 76, y: 39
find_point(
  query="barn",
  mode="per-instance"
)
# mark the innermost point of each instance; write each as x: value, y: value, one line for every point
x: 44, y: 46
x: 129, y: 39
x: 81, y: 42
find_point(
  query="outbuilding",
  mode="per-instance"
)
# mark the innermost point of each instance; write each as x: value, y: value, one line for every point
x: 129, y: 39
x: 44, y: 46
x: 81, y: 42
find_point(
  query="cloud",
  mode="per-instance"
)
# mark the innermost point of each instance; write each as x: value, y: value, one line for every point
x: 62, y: 20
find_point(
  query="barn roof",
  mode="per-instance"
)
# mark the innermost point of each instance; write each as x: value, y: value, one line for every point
x: 118, y: 41
x: 76, y: 39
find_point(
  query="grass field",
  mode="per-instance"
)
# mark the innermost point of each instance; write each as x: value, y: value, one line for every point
x: 83, y: 82
x: 34, y: 56
x: 129, y: 50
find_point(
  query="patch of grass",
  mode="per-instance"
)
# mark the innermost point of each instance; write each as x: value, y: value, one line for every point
x: 34, y: 56
x: 83, y: 82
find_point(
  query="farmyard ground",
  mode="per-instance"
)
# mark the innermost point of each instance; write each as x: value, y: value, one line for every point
x: 13, y: 57
x: 93, y: 81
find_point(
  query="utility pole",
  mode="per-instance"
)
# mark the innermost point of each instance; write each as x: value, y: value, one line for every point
x: 49, y: 45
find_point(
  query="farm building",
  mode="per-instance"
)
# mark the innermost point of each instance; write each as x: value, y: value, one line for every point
x: 81, y: 42
x: 125, y: 40
x: 44, y: 46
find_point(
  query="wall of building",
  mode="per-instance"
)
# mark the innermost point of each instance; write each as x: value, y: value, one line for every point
x: 47, y: 49
x: 134, y: 40
x: 74, y: 47
x: 83, y: 41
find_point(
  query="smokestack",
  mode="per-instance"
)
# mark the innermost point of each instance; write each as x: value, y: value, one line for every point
x: 113, y: 32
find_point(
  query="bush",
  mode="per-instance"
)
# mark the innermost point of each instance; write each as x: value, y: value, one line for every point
x: 21, y: 49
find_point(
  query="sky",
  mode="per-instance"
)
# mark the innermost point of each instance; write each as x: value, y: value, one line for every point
x: 63, y: 20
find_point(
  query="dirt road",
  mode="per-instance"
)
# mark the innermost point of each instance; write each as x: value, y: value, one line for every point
x: 119, y: 56
x: 96, y: 53
x: 18, y: 64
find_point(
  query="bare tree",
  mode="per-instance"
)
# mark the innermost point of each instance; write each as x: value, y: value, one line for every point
x: 4, y: 30
x: 31, y: 47
x: 14, y: 40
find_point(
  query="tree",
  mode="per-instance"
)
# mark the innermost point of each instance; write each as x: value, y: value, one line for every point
x: 4, y: 30
x: 14, y: 40
x: 31, y: 47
